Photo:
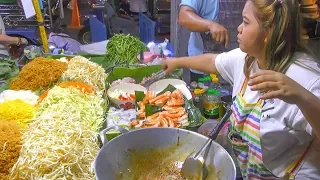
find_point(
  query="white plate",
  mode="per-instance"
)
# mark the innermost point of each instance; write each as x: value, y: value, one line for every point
x: 177, y: 83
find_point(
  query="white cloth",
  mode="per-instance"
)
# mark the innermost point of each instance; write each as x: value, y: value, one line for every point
x: 285, y: 133
x: 138, y: 6
x: 98, y: 48
x: 3, y: 47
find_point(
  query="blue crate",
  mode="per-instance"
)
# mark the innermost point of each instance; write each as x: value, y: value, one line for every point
x: 147, y: 28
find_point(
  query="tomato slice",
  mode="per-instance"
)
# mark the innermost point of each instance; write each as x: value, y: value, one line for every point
x: 122, y: 97
x: 132, y: 96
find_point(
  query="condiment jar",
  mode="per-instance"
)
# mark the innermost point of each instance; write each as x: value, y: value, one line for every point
x: 211, y: 104
x: 198, y: 98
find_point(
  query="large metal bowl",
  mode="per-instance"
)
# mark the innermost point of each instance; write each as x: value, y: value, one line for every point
x: 113, y: 158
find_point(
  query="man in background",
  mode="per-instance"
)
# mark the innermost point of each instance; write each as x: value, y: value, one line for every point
x: 213, y: 25
x: 6, y: 40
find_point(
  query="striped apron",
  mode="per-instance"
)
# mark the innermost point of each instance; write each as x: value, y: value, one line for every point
x: 245, y: 139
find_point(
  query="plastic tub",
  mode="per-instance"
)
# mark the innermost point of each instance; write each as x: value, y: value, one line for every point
x: 23, y: 60
x: 148, y: 57
x: 222, y: 138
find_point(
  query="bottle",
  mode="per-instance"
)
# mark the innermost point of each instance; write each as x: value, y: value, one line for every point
x: 198, y: 98
x: 211, y: 104
x: 215, y: 83
x: 213, y: 75
x: 204, y: 82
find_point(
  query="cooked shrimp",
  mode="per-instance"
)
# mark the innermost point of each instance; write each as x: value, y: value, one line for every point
x: 163, y: 122
x: 184, y: 117
x: 142, y: 111
x: 161, y: 101
x: 177, y: 124
x: 174, y: 110
x: 134, y: 122
x: 175, y: 102
x: 141, y: 106
x: 164, y: 95
x: 153, y: 117
x: 176, y: 98
x: 171, y: 123
x: 166, y: 114
x: 177, y: 94
x: 150, y: 124
x: 149, y: 95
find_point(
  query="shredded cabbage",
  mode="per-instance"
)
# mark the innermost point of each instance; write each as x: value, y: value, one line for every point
x: 62, y: 141
x: 85, y: 71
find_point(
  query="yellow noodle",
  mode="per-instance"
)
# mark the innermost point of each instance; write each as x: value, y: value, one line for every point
x: 41, y: 73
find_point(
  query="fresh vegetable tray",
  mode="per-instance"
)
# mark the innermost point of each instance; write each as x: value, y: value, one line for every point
x: 58, y: 131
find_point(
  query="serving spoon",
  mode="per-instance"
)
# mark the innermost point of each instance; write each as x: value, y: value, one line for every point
x: 194, y: 166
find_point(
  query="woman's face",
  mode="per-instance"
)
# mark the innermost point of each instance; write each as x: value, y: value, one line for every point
x: 250, y: 38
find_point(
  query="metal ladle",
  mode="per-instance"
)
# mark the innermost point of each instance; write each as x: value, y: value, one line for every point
x: 194, y: 167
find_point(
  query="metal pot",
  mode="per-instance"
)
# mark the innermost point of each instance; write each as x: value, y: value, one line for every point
x: 112, y: 157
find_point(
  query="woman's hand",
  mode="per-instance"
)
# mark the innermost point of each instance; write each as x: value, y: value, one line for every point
x: 169, y: 65
x: 276, y: 85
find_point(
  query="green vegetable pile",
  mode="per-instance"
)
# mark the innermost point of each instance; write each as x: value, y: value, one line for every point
x: 8, y: 69
x: 124, y: 48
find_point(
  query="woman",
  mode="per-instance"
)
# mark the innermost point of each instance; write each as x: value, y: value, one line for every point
x: 8, y: 40
x: 276, y: 84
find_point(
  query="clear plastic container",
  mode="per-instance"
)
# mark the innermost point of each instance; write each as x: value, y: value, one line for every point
x: 212, y: 104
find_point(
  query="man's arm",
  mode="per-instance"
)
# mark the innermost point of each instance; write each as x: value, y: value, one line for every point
x: 4, y: 39
x: 190, y: 20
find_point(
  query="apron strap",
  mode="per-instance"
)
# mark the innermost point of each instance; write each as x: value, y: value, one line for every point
x: 291, y: 170
x: 244, y: 86
x: 243, y: 90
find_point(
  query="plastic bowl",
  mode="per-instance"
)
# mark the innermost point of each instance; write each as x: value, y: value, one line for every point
x: 126, y: 88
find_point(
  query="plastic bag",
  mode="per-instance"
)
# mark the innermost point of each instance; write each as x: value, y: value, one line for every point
x: 33, y: 51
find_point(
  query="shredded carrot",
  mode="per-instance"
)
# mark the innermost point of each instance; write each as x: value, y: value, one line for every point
x: 81, y: 86
x: 43, y: 95
x: 66, y: 84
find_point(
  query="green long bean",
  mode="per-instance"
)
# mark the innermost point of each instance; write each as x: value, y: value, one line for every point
x: 123, y: 48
